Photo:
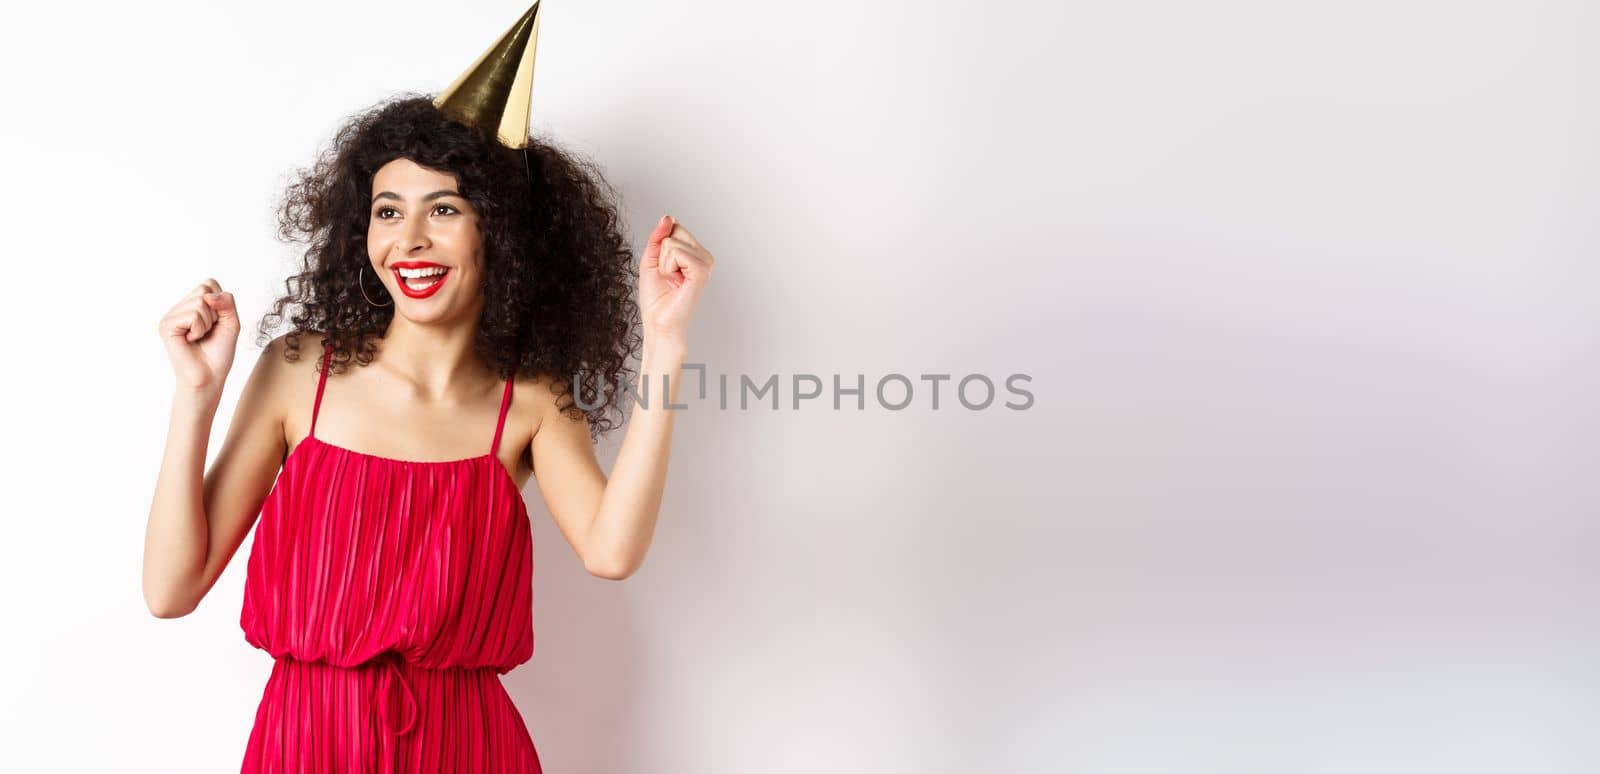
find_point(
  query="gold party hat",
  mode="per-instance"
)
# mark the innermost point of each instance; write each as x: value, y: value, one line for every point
x: 496, y: 92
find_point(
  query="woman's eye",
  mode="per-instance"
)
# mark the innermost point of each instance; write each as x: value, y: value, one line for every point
x: 382, y: 210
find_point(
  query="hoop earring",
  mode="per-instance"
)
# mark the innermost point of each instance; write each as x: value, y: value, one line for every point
x: 363, y: 286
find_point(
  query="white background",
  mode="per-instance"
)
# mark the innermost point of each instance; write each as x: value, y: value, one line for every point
x: 1306, y: 292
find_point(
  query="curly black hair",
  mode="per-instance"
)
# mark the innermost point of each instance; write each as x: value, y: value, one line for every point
x: 559, y: 277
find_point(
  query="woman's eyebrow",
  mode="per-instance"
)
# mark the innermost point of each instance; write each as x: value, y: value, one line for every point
x: 429, y: 197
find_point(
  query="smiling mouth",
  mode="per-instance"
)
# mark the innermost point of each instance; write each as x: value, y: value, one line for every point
x: 420, y: 283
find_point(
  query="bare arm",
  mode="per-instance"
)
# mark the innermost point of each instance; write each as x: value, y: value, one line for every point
x: 610, y: 523
x: 197, y: 522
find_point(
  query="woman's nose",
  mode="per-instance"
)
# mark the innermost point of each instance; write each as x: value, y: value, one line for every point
x: 415, y: 236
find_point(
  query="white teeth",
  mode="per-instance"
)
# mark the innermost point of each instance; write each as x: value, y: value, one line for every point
x: 428, y: 272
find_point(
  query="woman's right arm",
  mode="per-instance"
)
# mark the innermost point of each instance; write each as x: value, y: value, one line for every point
x: 198, y: 519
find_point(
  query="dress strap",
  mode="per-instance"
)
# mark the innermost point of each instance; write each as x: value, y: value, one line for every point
x: 322, y: 381
x: 500, y: 424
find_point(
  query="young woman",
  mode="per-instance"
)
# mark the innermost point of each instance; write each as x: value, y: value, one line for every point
x: 469, y: 310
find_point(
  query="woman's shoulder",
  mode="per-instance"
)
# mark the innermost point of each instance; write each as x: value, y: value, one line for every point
x: 296, y: 350
x: 541, y: 397
x: 531, y: 393
x: 278, y: 383
x: 288, y: 360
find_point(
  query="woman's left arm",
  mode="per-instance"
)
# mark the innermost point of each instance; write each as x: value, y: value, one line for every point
x: 610, y: 522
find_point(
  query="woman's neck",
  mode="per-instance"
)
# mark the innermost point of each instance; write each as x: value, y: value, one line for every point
x: 439, y: 360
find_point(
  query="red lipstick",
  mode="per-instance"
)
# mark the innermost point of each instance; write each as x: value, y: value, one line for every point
x: 438, y: 281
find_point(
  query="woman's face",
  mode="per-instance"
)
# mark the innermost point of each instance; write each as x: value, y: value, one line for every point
x: 420, y: 225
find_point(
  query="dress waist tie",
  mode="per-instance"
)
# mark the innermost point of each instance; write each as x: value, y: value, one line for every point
x: 390, y: 678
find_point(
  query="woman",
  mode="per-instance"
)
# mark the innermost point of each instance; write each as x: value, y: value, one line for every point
x: 471, y: 309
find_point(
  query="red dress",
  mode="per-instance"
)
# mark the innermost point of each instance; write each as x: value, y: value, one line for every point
x: 392, y: 594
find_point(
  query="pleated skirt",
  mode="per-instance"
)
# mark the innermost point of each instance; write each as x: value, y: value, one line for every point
x: 386, y: 716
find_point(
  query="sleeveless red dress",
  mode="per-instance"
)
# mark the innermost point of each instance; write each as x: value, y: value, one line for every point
x: 392, y: 594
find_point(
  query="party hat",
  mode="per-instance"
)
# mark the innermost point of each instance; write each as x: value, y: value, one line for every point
x: 496, y: 92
